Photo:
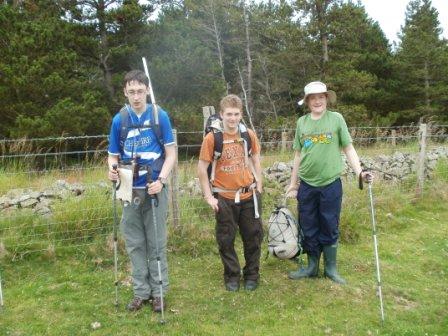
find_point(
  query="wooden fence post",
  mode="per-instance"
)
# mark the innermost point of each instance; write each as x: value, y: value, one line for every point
x: 175, y: 186
x: 284, y: 140
x: 421, y: 160
x: 394, y: 138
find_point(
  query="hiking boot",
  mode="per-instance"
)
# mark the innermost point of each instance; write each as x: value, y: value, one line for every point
x: 330, y: 270
x: 136, y: 304
x: 232, y: 286
x: 250, y: 285
x: 310, y: 272
x: 157, y: 304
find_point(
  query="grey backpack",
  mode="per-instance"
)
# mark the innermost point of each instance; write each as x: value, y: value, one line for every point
x: 284, y: 234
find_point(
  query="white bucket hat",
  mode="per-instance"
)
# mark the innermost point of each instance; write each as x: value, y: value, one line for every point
x: 318, y: 87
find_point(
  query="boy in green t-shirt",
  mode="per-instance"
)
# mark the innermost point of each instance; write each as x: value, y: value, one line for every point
x: 320, y: 137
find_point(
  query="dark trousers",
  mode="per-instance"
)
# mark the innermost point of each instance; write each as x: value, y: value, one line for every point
x: 319, y: 210
x: 230, y: 218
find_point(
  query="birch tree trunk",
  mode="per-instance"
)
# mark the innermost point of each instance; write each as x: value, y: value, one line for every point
x: 427, y: 99
x: 219, y: 47
x: 321, y: 12
x: 267, y: 85
x: 249, y: 98
x: 104, y: 47
x: 243, y: 87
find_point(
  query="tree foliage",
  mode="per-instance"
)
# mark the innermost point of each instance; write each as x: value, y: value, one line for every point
x: 62, y: 62
x: 422, y: 65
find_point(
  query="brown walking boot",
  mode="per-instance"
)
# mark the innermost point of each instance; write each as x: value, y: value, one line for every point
x: 136, y: 304
x: 157, y: 304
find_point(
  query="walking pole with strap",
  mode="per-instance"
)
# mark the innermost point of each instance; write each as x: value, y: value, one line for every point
x: 154, y: 198
x: 1, y: 292
x: 115, y: 234
x: 375, y: 245
x: 154, y: 205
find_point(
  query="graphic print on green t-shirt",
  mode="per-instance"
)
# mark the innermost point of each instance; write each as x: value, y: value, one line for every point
x: 320, y: 143
x: 322, y: 138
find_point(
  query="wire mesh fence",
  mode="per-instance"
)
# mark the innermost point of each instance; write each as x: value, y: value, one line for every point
x: 54, y: 192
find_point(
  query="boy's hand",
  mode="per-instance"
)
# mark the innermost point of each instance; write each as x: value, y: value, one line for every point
x: 291, y: 192
x: 154, y: 187
x: 213, y: 202
x: 113, y: 174
x: 367, y: 176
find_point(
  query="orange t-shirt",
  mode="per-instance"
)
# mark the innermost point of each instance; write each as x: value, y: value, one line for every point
x: 230, y: 171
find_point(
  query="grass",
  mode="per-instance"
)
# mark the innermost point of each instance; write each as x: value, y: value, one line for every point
x: 63, y: 295
x: 63, y: 292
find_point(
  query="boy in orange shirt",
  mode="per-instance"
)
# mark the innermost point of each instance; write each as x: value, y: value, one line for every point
x: 234, y: 194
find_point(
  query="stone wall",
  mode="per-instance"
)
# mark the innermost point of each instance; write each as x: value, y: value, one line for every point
x: 397, y: 166
x: 41, y: 201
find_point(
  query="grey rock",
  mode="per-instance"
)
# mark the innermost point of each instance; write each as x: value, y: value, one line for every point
x: 283, y: 167
x: 45, y: 201
x: 14, y: 201
x: 382, y: 158
x: 63, y: 194
x: 35, y: 194
x: 15, y: 193
x: 4, y: 202
x: 24, y: 198
x: 103, y: 184
x: 61, y: 185
x: 49, y: 193
x: 42, y: 209
x: 77, y: 189
x: 29, y: 203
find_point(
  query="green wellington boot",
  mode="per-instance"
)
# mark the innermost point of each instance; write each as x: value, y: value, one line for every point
x: 310, y: 272
x: 330, y: 270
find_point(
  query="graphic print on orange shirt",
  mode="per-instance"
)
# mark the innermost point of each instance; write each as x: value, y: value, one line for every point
x: 232, y: 159
x: 230, y: 172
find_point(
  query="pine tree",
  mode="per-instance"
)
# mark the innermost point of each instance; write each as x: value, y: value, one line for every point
x: 41, y: 71
x: 422, y: 66
x: 359, y: 66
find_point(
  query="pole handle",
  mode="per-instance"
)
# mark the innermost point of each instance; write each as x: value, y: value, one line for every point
x: 150, y: 180
x: 360, y: 179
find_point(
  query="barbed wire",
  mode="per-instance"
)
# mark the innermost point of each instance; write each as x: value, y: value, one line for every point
x: 75, y: 137
x: 27, y: 155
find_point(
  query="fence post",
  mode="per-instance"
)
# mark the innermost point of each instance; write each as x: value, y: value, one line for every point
x: 175, y: 186
x: 378, y: 134
x: 394, y: 138
x: 284, y: 140
x: 421, y: 160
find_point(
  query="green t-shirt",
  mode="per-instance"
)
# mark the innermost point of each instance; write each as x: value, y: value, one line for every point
x: 320, y: 143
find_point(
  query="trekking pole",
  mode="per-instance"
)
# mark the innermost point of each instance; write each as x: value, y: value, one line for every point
x: 1, y: 292
x: 151, y: 93
x: 375, y: 245
x: 154, y: 204
x: 154, y: 197
x: 115, y: 233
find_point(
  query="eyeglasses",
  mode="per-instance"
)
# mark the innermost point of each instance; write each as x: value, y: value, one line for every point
x: 138, y: 92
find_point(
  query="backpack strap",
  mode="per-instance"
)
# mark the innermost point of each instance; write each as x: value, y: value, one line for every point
x: 218, y: 144
x: 245, y: 135
x: 247, y: 148
x: 126, y: 124
x: 156, y: 127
